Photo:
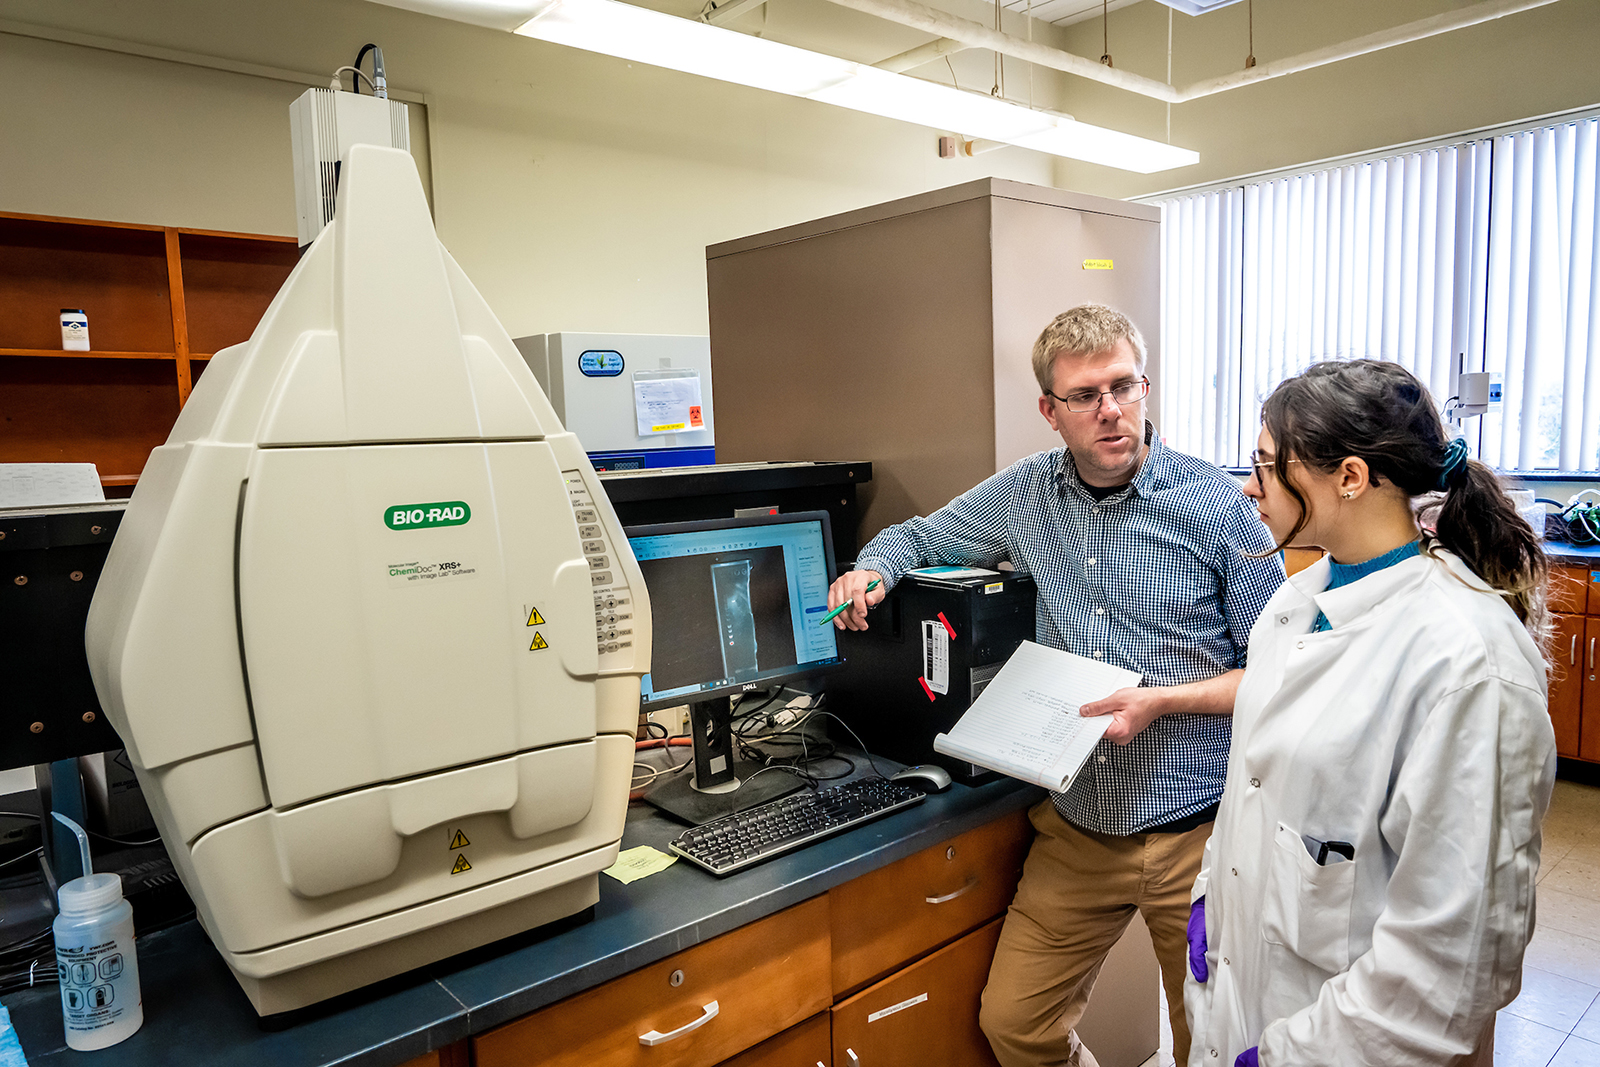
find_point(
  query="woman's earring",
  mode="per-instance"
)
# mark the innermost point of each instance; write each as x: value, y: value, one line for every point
x: 1349, y: 494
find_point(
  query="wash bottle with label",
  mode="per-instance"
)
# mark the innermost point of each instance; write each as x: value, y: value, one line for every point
x: 95, y: 961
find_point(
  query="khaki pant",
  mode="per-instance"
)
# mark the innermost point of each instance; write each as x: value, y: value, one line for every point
x: 1078, y: 893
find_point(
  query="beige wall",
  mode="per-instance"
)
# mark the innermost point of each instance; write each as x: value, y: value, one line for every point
x: 1523, y: 65
x: 90, y: 133
x: 577, y: 191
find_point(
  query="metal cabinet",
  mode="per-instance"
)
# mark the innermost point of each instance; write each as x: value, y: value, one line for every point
x: 903, y: 332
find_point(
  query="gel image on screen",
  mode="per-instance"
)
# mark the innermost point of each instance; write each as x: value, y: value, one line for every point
x: 730, y: 616
x: 736, y: 621
x: 735, y: 603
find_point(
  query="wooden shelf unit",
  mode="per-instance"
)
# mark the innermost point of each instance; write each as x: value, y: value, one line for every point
x: 160, y: 301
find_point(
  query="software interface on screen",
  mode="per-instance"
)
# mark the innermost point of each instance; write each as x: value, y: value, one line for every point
x: 734, y: 605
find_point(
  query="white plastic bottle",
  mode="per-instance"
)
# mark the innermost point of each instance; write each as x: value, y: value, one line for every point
x: 74, y: 330
x: 95, y: 959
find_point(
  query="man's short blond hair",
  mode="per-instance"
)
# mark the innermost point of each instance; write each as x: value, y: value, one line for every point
x: 1085, y: 330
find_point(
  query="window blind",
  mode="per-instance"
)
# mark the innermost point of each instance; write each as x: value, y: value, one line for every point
x: 1482, y: 256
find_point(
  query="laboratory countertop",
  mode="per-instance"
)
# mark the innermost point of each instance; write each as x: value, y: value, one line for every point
x: 1573, y: 555
x: 195, y: 1012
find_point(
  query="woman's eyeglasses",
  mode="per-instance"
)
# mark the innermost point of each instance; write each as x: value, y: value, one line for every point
x: 1258, y: 462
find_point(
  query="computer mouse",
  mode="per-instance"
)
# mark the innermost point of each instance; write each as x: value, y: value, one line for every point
x: 927, y: 777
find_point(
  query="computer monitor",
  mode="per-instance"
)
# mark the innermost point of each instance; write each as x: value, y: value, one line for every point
x: 737, y: 606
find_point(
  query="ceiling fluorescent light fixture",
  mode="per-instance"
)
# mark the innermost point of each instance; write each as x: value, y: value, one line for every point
x: 641, y: 35
x: 1197, y: 7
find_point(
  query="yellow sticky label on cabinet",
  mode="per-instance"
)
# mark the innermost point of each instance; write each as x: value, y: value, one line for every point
x: 1097, y: 264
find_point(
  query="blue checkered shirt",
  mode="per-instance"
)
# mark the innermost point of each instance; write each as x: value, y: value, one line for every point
x: 1152, y: 579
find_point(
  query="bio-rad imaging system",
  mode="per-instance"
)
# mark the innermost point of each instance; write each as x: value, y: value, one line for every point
x: 349, y: 626
x: 738, y: 607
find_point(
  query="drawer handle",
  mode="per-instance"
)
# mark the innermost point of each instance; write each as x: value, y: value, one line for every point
x: 1591, y: 653
x: 972, y: 883
x: 1572, y: 654
x: 656, y: 1037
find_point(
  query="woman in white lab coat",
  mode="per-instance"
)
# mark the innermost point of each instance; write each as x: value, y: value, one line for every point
x: 1368, y: 889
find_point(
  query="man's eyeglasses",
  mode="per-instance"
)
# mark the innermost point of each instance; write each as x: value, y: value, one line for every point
x: 1081, y: 400
x: 1258, y: 463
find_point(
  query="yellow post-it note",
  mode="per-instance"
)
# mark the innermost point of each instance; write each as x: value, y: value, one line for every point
x: 636, y: 863
x: 1097, y: 264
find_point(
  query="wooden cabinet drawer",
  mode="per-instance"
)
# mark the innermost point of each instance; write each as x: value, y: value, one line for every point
x: 1567, y: 658
x: 1296, y: 560
x: 925, y: 1014
x: 899, y: 912
x: 1589, y: 671
x: 455, y: 1055
x: 799, y: 1046
x: 764, y: 978
x: 1569, y: 590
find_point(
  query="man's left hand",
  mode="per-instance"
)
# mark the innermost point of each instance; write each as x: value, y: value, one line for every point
x: 1131, y: 710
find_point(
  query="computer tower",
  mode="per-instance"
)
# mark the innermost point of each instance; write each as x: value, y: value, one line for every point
x: 929, y: 649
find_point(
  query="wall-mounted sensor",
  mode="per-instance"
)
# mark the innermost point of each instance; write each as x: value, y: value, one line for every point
x: 1478, y: 392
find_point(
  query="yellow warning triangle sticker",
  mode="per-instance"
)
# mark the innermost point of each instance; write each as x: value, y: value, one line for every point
x: 458, y: 841
x: 461, y: 865
x: 538, y: 642
x: 535, y: 619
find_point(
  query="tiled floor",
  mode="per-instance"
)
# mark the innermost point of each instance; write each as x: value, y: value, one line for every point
x: 1556, y: 1020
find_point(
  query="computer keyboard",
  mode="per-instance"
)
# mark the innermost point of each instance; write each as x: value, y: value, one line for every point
x: 737, y: 841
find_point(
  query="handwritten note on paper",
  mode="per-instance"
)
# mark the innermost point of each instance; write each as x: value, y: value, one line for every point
x: 641, y: 862
x: 667, y: 402
x: 1026, y: 722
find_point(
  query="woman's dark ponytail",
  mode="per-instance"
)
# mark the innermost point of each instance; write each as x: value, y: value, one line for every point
x: 1478, y: 522
x: 1380, y: 412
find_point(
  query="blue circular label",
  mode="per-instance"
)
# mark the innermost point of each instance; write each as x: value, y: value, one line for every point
x: 599, y: 364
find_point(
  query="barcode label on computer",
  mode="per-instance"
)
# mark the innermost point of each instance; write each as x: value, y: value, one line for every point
x: 936, y: 656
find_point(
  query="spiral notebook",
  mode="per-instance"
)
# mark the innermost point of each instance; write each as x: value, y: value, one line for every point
x: 1026, y: 724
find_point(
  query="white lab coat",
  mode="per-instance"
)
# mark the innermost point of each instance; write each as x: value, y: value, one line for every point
x: 1415, y: 729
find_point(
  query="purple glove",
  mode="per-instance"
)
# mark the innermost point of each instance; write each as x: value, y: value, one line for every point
x: 1247, y: 1058
x: 1197, y: 944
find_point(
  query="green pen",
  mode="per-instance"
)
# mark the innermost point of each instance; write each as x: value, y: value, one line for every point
x: 826, y: 619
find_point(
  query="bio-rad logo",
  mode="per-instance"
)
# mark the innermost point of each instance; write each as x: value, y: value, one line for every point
x: 426, y: 516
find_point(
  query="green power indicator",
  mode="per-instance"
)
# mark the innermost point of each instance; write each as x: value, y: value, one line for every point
x: 426, y: 516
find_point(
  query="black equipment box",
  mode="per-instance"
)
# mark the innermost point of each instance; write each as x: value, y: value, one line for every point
x: 929, y: 649
x: 50, y: 560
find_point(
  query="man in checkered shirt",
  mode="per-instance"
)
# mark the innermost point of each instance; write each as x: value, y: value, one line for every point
x: 1140, y: 556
